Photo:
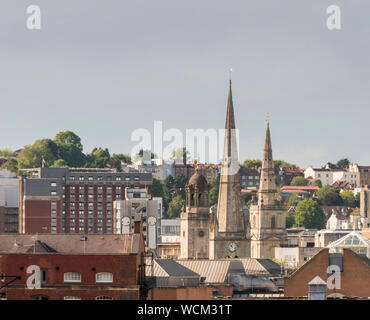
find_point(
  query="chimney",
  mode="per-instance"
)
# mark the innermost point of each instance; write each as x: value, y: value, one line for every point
x: 138, y: 223
x: 317, y: 289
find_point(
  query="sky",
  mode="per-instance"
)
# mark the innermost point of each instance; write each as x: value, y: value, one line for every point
x: 103, y: 69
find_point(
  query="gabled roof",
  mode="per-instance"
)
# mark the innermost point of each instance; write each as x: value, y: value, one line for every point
x: 317, y: 281
x: 353, y: 239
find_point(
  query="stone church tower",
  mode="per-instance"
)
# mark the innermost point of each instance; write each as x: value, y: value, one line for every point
x: 229, y: 228
x: 195, y: 219
x: 267, y: 216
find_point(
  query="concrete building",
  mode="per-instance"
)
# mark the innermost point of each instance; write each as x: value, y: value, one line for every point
x: 362, y: 171
x: 267, y: 216
x: 293, y: 257
x: 159, y: 168
x: 229, y: 228
x: 9, y: 202
x: 75, y: 200
x: 75, y: 267
x: 169, y: 245
x: 124, y: 212
x: 325, y: 175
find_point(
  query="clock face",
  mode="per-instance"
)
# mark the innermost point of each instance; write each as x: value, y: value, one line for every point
x: 125, y: 221
x: 152, y: 221
x: 232, y: 246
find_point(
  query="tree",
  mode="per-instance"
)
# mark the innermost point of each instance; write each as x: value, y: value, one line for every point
x: 144, y: 154
x: 289, y: 221
x: 309, y: 214
x: 116, y: 160
x: 70, y: 149
x: 213, y: 191
x: 31, y: 156
x: 283, y: 164
x: 357, y: 197
x: 329, y: 196
x: 11, y: 165
x: 60, y: 163
x: 348, y: 198
x: 342, y: 163
x: 7, y: 153
x: 252, y: 164
x: 175, y: 206
x: 98, y: 158
x: 157, y: 188
x: 293, y: 200
x: 299, y: 181
x: 317, y: 183
x: 181, y: 153
x: 179, y: 183
x: 68, y: 138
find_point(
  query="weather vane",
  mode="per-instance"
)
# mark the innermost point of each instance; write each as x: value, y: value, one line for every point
x: 268, y: 116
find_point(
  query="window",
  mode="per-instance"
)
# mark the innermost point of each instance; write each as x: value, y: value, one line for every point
x: 91, y: 178
x: 81, y: 178
x: 72, y: 298
x: 273, y: 222
x: 72, y: 277
x: 104, y: 277
x: 100, y: 178
x: 53, y: 184
x: 118, y: 178
x: 103, y: 298
x: 53, y: 193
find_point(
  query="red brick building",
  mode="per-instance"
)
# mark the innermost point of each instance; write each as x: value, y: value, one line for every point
x: 354, y: 276
x: 89, y: 267
x: 65, y: 200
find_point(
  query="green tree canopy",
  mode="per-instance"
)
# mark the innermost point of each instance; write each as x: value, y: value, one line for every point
x: 11, y: 165
x: 181, y: 153
x: 299, y: 181
x: 348, y: 198
x: 175, y: 206
x: 213, y: 191
x: 252, y: 163
x: 317, y: 183
x: 98, y: 158
x: 329, y: 196
x: 309, y: 214
x: 283, y: 164
x: 293, y: 200
x: 68, y: 138
x: 31, y: 156
x: 60, y: 163
x: 342, y: 163
x: 290, y: 219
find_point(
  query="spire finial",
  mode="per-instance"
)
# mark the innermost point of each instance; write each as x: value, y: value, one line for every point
x: 230, y: 71
x: 268, y: 116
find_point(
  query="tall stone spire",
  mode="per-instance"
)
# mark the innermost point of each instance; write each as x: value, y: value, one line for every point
x: 229, y: 237
x: 229, y: 209
x: 267, y: 189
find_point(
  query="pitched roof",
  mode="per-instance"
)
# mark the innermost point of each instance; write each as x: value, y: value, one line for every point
x: 71, y: 243
x: 317, y: 281
x: 174, y: 269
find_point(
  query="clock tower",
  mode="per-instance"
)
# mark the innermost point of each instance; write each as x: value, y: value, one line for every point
x: 229, y: 228
x: 195, y: 219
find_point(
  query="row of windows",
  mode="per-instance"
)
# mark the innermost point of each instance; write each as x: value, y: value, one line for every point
x: 76, y: 277
x: 82, y: 229
x: 109, y: 178
x: 79, y: 298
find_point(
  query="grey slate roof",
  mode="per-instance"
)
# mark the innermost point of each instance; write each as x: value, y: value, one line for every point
x: 174, y: 269
x: 71, y: 243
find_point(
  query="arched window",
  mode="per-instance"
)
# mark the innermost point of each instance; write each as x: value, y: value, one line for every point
x: 273, y: 223
x: 103, y: 298
x: 104, y: 277
x: 72, y: 277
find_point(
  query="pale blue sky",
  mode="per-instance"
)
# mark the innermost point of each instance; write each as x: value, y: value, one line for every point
x: 105, y: 68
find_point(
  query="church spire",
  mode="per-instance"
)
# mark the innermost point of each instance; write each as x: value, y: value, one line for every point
x: 229, y: 209
x: 267, y: 188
